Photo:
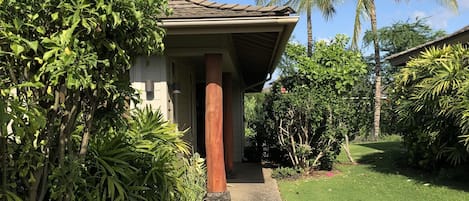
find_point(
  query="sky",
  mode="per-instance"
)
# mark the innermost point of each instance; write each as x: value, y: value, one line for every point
x: 388, y: 12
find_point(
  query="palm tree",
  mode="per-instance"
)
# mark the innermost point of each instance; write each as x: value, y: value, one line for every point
x: 367, y: 8
x: 325, y: 6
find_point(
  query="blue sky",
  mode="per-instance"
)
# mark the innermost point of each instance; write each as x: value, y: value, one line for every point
x: 388, y: 12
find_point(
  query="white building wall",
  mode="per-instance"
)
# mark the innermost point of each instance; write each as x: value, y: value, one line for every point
x: 152, y: 68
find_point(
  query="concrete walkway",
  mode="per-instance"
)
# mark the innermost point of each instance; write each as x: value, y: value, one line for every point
x: 251, y: 182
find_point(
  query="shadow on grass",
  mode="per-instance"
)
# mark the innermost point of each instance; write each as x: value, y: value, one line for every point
x: 391, y: 159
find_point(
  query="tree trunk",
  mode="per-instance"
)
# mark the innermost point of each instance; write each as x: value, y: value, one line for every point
x: 88, y: 123
x: 309, y: 28
x: 377, y: 109
x: 347, y: 149
x: 4, y: 155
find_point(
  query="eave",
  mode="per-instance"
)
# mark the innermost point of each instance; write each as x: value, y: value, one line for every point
x: 276, y: 31
x: 401, y: 58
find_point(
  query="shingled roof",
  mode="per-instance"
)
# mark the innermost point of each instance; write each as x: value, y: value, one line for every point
x: 184, y: 9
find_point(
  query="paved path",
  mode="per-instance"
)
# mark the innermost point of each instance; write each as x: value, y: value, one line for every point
x: 251, y: 182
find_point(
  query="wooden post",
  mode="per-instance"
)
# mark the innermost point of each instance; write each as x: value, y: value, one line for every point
x: 228, y: 120
x: 216, y: 178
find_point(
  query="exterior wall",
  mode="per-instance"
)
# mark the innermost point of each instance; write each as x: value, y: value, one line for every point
x: 153, y: 68
x: 180, y: 108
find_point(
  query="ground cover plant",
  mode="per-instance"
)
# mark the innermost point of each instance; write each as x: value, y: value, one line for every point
x: 381, y: 175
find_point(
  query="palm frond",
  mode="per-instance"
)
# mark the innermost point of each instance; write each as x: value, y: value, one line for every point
x: 360, y: 12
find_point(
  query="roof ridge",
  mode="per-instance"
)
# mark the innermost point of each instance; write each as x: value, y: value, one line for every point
x: 238, y: 7
x: 457, y: 32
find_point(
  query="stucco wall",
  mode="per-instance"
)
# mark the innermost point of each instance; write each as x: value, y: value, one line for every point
x: 152, y: 68
x: 159, y: 70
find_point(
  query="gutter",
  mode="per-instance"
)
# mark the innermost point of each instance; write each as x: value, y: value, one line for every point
x: 259, y: 83
x: 241, y: 21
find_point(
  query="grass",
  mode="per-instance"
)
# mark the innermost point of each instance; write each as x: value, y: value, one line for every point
x: 380, y: 176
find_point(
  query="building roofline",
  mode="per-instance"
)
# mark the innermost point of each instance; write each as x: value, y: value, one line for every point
x: 402, y: 57
x: 193, y: 9
x: 240, y: 7
x: 228, y: 21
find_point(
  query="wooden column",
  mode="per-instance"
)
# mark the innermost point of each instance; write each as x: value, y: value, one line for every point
x: 216, y: 178
x: 228, y: 120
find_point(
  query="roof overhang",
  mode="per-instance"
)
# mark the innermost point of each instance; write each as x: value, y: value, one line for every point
x: 401, y: 58
x: 259, y: 41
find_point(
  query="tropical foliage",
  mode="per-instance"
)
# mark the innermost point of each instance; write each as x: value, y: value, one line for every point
x: 253, y: 115
x: 143, y: 162
x: 307, y: 113
x: 432, y: 99
x: 391, y: 42
x: 368, y: 8
x: 65, y: 133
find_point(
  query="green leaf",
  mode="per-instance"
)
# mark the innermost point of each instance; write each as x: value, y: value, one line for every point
x: 41, y: 30
x: 12, y: 197
x: 18, y: 23
x: 16, y: 48
x: 32, y: 44
x: 116, y: 18
x: 55, y: 16
x: 30, y: 84
x: 86, y: 25
x: 49, y: 54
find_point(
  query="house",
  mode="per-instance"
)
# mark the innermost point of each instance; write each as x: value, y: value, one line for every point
x: 400, y: 59
x: 214, y: 53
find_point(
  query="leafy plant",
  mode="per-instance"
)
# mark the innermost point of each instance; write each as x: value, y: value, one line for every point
x: 287, y: 173
x: 146, y: 161
x: 307, y: 113
x: 432, y: 102
x: 194, y: 179
x: 64, y: 64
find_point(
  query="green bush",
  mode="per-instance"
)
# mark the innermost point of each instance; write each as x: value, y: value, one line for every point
x: 63, y: 67
x: 145, y: 162
x: 194, y: 179
x: 309, y: 111
x: 287, y: 173
x: 432, y: 99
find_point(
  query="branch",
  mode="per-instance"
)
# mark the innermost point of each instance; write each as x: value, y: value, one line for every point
x: 88, y: 124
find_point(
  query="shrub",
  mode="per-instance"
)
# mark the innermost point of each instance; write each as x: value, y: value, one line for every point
x: 431, y: 94
x: 309, y: 111
x: 287, y: 173
x: 194, y: 179
x: 63, y: 65
x: 147, y: 161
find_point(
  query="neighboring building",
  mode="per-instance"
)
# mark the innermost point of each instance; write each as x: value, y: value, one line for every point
x: 214, y: 53
x: 400, y: 59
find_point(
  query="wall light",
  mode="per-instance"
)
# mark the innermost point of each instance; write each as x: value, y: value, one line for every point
x: 176, y: 88
x: 149, y: 86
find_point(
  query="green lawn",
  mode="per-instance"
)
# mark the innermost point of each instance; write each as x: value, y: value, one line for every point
x: 379, y: 177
